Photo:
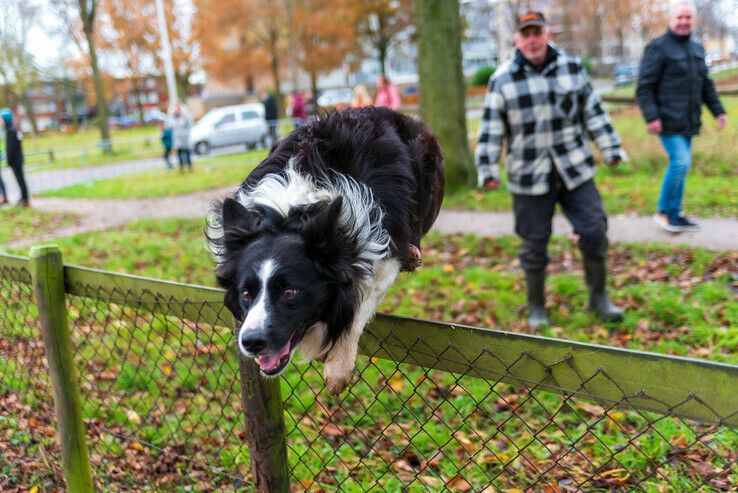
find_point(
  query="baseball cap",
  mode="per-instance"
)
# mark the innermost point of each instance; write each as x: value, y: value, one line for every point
x: 531, y: 18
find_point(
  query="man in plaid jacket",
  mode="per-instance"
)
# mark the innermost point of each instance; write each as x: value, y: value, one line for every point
x: 542, y: 103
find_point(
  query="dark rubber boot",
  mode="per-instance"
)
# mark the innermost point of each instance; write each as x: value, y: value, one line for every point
x: 595, y: 271
x: 536, y: 282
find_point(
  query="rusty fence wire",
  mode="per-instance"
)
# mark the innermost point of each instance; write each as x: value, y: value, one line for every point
x: 433, y: 407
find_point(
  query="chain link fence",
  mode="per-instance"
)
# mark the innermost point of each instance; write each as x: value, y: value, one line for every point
x: 28, y: 445
x: 405, y: 427
x: 161, y: 395
x: 433, y: 407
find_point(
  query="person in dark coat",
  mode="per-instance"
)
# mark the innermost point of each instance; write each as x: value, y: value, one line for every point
x: 166, y: 142
x: 4, y: 200
x: 270, y: 114
x: 14, y: 150
x: 299, y: 111
x: 673, y: 84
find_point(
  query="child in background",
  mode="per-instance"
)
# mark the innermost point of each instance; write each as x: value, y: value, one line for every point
x: 166, y: 141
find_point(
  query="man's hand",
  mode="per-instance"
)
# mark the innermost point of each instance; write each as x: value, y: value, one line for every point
x: 491, y: 184
x: 722, y: 121
x: 654, y: 126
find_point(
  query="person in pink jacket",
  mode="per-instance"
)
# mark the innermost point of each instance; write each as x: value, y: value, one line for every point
x: 387, y: 94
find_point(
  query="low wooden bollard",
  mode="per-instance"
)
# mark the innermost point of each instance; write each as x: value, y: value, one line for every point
x: 47, y: 272
x: 265, y: 431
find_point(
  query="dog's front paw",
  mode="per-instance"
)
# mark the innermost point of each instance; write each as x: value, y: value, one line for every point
x: 337, y: 374
x: 413, y: 260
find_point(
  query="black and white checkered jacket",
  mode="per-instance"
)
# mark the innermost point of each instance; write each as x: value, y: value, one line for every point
x: 545, y: 118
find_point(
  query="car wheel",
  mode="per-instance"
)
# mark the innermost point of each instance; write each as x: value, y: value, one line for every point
x: 202, y: 148
x: 250, y: 146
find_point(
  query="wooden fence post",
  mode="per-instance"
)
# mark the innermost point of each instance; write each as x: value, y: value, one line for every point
x: 47, y: 272
x: 265, y: 432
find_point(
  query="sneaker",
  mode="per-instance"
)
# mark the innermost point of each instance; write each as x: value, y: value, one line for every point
x: 686, y: 224
x: 666, y: 224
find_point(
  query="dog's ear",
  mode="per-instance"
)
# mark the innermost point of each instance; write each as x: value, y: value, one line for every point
x: 319, y: 229
x: 236, y: 217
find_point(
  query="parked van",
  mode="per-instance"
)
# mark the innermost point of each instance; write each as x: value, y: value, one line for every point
x: 242, y: 124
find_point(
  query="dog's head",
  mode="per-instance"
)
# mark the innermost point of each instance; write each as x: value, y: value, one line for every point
x: 284, y: 276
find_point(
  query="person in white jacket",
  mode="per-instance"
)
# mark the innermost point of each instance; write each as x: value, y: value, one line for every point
x: 181, y: 124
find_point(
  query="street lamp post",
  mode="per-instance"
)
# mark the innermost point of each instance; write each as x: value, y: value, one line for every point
x: 166, y: 54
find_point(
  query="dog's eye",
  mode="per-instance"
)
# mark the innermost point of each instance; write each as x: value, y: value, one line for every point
x: 247, y: 296
x: 289, y: 294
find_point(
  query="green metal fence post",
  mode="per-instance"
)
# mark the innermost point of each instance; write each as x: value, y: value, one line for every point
x: 47, y: 271
x: 265, y: 431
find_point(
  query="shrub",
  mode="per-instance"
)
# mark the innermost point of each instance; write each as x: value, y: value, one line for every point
x: 587, y: 65
x: 482, y: 75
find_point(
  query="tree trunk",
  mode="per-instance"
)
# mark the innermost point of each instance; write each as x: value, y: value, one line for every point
x: 88, y: 19
x: 382, y: 43
x: 138, y: 87
x: 26, y: 101
x: 442, y: 86
x: 383, y: 61
x: 182, y: 81
x: 291, y: 45
x: 273, y: 41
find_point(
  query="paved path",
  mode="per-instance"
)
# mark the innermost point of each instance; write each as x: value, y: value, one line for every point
x: 717, y: 233
x: 41, y: 181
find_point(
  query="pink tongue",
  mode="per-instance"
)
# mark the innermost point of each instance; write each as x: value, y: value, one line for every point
x: 269, y: 361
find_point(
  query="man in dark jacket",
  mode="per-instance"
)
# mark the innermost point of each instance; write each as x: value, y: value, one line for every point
x: 14, y: 150
x: 270, y: 114
x: 673, y: 83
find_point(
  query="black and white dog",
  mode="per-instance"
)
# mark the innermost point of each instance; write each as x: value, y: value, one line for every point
x: 318, y: 232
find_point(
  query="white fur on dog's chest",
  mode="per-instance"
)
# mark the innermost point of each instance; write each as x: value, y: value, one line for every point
x: 361, y: 215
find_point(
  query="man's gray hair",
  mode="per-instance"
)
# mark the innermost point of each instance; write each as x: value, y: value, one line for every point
x: 682, y: 3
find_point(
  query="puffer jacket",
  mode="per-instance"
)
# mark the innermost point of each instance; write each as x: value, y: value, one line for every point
x: 673, y: 83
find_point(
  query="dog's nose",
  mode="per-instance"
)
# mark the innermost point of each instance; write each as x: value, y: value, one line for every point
x: 253, y: 341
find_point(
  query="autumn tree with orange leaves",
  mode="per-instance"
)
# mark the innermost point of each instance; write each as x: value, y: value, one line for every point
x: 244, y: 40
x: 325, y: 35
x: 230, y: 41
x: 379, y: 25
x: 133, y: 35
x: 585, y: 24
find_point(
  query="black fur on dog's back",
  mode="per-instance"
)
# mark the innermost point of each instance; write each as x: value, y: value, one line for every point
x: 395, y: 155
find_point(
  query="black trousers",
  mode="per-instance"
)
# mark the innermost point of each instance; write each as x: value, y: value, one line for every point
x: 581, y: 206
x: 273, y: 133
x: 21, y: 179
x: 2, y: 188
x: 184, y: 158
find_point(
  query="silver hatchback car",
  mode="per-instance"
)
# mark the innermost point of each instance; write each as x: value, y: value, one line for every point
x: 242, y: 124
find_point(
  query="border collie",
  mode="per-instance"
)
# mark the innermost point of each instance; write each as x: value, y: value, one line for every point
x: 318, y: 232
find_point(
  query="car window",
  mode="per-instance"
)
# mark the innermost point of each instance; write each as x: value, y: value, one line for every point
x: 249, y: 115
x: 229, y: 118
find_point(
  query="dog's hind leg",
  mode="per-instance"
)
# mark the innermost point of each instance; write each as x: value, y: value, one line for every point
x: 341, y: 359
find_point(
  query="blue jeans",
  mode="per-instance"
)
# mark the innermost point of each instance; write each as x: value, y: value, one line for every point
x: 679, y: 149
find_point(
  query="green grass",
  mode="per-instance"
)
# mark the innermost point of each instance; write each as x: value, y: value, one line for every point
x: 81, y: 149
x: 20, y: 222
x: 207, y: 173
x: 172, y: 383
